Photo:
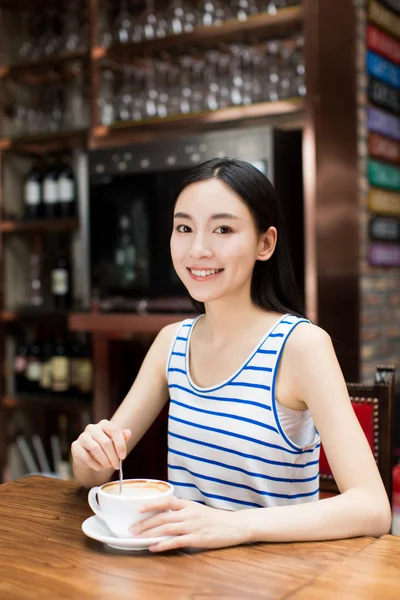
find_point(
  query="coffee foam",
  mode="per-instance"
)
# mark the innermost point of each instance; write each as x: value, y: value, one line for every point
x: 136, y: 489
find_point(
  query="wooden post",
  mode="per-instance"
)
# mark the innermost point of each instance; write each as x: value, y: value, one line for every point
x: 331, y: 177
x: 101, y: 365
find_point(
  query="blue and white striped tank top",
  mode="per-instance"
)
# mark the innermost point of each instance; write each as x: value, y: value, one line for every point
x: 226, y: 446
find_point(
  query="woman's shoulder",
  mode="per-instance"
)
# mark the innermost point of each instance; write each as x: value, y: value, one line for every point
x: 159, y: 351
x: 307, y: 338
x: 308, y: 354
x: 168, y: 333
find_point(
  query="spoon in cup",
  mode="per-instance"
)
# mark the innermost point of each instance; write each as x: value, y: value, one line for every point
x: 120, y: 476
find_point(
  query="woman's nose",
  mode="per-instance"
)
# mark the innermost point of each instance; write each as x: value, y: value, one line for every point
x: 200, y: 248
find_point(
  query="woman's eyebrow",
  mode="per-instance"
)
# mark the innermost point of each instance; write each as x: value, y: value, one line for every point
x: 223, y: 215
x: 214, y: 217
x: 181, y: 215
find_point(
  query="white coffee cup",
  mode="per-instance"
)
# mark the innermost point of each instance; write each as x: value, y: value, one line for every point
x: 120, y: 511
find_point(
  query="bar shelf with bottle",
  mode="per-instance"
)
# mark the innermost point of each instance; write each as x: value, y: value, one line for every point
x: 43, y: 33
x: 194, y: 85
x: 51, y: 363
x: 228, y: 44
x: 288, y: 112
x: 47, y: 395
x: 31, y: 66
x: 46, y: 201
x: 39, y: 226
x: 181, y: 32
x: 49, y: 105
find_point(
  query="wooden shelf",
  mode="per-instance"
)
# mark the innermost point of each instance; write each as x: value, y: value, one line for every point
x: 37, y: 225
x: 46, y: 142
x: 9, y: 316
x: 33, y: 400
x: 48, y: 62
x: 123, y: 325
x: 285, y: 21
x: 137, y: 131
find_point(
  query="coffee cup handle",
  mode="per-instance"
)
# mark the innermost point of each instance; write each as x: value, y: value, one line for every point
x: 93, y: 502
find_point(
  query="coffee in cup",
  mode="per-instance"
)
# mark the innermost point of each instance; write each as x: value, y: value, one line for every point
x: 118, y: 510
x: 137, y: 488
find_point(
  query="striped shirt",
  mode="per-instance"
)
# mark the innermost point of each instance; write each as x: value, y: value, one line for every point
x: 226, y: 446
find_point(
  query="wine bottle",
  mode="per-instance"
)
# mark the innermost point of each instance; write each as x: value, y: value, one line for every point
x: 33, y: 366
x: 35, y: 280
x: 66, y: 189
x: 125, y: 254
x: 33, y: 192
x: 61, y: 282
x: 84, y: 366
x: 60, y: 366
x: 20, y: 362
x: 50, y: 189
x: 76, y: 352
x: 46, y: 370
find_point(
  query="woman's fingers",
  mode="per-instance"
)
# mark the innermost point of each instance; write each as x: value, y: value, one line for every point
x: 82, y: 456
x: 179, y: 541
x: 164, y: 504
x: 154, y: 521
x: 169, y: 529
x: 118, y: 437
x: 107, y: 443
x: 101, y: 445
x: 95, y: 449
x: 127, y: 434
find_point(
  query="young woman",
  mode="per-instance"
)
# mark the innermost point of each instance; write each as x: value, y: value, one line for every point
x: 253, y: 388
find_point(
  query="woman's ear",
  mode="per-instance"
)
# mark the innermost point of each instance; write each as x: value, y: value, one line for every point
x: 267, y: 244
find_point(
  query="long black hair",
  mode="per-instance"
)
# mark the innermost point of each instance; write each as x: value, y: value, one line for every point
x: 273, y: 285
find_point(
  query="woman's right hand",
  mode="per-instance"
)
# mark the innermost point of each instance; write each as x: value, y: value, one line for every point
x: 100, y: 446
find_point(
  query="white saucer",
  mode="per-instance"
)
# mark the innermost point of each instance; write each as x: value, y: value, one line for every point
x: 94, y: 528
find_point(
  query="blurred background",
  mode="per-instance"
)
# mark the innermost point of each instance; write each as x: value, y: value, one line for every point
x: 104, y: 107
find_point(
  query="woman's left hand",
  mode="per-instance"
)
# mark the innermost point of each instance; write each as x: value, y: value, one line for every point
x: 190, y: 525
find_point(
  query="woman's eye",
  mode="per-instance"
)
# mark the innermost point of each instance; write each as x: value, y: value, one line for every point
x: 223, y: 230
x: 183, y: 228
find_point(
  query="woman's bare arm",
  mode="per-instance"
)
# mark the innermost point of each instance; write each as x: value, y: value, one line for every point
x: 139, y: 409
x: 362, y: 508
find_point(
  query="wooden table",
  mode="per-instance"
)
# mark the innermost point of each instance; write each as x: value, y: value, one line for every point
x: 44, y: 555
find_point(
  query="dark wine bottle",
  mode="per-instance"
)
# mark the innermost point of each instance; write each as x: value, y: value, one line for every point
x: 50, y: 189
x: 66, y: 189
x: 33, y: 191
x: 61, y: 282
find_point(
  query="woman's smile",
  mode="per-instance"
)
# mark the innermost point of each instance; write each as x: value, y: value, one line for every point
x: 203, y: 274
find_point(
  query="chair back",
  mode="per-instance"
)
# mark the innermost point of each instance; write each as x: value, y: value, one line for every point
x: 374, y: 408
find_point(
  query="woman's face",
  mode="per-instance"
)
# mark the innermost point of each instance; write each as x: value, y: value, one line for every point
x: 214, y: 243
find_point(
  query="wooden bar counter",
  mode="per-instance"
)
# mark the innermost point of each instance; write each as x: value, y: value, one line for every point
x: 44, y: 554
